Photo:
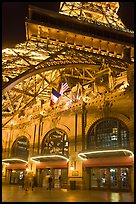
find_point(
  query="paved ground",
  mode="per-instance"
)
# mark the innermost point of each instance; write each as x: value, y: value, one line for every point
x: 12, y: 193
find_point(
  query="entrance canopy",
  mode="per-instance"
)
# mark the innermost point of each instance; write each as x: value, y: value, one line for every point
x: 104, y: 153
x: 13, y: 161
x: 44, y: 158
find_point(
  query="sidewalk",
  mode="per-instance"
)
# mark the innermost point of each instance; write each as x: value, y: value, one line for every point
x: 13, y: 193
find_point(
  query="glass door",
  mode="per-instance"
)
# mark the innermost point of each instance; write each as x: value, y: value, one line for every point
x: 94, y: 178
x: 21, y: 174
x: 14, y: 179
x: 60, y: 177
x: 124, y: 178
x: 113, y: 178
x: 63, y: 178
x: 99, y: 178
x: 103, y: 178
x: 114, y: 182
x: 57, y: 178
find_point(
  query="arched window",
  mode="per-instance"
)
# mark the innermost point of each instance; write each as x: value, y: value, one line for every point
x: 55, y: 142
x: 20, y: 148
x: 108, y: 133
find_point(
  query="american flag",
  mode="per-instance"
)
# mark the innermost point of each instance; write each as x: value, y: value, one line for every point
x: 64, y: 87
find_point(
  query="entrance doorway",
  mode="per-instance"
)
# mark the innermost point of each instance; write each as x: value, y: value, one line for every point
x: 16, y: 177
x: 113, y: 178
x: 60, y: 177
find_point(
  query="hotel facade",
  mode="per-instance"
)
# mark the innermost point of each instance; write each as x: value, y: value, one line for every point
x: 87, y: 136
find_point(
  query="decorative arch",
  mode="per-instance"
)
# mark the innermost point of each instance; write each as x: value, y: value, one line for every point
x: 20, y: 148
x: 99, y: 117
x: 108, y: 133
x: 55, y: 142
x: 24, y: 132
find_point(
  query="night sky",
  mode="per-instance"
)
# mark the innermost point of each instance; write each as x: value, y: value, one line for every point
x: 14, y: 14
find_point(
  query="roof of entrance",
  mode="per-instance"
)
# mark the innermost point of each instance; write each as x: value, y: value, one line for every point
x: 104, y: 153
x: 44, y: 158
x: 13, y: 161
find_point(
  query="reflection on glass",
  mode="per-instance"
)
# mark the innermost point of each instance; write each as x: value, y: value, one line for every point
x: 113, y: 177
x: 108, y: 133
x: 115, y: 197
x: 21, y: 175
x: 94, y: 180
x: 103, y: 178
x: 57, y: 175
x: 124, y: 178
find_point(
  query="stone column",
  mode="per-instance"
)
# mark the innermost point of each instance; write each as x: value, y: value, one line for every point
x: 3, y: 173
x: 8, y: 174
x: 38, y: 177
x: 33, y: 168
x: 75, y: 173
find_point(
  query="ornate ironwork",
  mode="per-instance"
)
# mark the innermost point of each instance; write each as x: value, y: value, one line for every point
x: 32, y: 68
x: 101, y: 13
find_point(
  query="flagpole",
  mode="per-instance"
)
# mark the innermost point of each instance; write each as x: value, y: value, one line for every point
x: 77, y: 91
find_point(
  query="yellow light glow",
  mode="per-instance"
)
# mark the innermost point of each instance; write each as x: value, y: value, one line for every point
x: 83, y: 154
x: 72, y: 168
x: 14, y: 159
x: 32, y: 159
x: 11, y: 123
x: 5, y: 163
x: 28, y: 170
x: 41, y: 112
x: 38, y: 157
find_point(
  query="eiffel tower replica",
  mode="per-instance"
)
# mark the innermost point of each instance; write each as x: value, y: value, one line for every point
x: 85, y: 42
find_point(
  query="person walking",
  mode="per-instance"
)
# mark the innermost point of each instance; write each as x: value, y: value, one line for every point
x: 23, y: 178
x: 59, y: 181
x: 32, y: 182
x: 28, y: 182
x: 50, y: 182
x: 26, y: 185
x: 47, y: 181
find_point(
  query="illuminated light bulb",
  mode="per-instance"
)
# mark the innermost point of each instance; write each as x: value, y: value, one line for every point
x: 72, y: 168
x: 41, y: 112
